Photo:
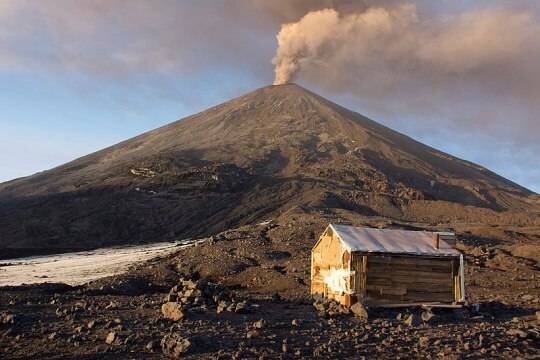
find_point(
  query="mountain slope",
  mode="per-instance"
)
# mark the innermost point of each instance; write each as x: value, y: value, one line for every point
x: 264, y: 153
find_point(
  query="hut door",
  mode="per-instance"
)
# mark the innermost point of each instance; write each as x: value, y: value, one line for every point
x: 359, y: 265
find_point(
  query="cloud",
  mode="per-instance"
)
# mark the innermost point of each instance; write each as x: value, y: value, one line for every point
x: 127, y: 38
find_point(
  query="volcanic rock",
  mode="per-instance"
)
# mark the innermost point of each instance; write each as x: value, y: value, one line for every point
x: 259, y: 324
x: 412, y: 320
x: 172, y: 310
x: 174, y: 345
x: 359, y: 311
x: 111, y: 337
x: 427, y: 315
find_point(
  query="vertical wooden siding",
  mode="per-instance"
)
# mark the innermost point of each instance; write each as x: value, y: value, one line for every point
x: 383, y: 279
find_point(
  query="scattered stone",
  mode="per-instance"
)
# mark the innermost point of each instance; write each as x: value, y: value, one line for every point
x: 91, y: 324
x: 241, y: 307
x: 319, y: 305
x: 111, y: 306
x: 259, y: 324
x: 221, y: 307
x: 252, y: 333
x: 149, y: 346
x: 330, y: 308
x: 172, y: 310
x: 189, y: 284
x: 411, y: 320
x: 201, y: 295
x: 517, y: 332
x: 7, y: 319
x: 111, y: 337
x: 295, y: 322
x: 174, y: 346
x: 359, y: 311
x: 427, y: 315
x: 423, y: 341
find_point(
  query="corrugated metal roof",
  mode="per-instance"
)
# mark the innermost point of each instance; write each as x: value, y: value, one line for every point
x: 392, y: 241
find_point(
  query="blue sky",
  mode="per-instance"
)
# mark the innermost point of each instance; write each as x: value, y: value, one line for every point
x: 85, y: 75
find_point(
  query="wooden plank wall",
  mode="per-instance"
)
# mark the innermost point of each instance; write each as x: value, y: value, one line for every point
x: 358, y: 264
x: 405, y: 279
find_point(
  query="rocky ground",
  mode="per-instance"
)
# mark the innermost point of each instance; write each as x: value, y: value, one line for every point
x: 243, y: 294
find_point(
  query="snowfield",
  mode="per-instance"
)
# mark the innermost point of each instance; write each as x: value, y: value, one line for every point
x: 81, y: 267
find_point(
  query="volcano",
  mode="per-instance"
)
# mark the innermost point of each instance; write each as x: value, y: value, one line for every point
x: 272, y: 152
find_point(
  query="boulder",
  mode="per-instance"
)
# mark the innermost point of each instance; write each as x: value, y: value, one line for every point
x: 330, y: 308
x: 172, y: 310
x: 359, y: 311
x: 174, y: 346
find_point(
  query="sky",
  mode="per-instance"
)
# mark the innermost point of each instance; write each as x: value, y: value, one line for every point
x: 461, y: 76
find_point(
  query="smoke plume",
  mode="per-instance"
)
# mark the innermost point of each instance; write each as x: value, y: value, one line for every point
x: 394, y: 41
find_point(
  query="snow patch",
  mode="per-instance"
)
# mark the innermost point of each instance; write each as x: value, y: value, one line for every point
x: 81, y: 267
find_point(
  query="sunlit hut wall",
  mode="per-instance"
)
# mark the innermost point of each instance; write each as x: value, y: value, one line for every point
x: 330, y: 268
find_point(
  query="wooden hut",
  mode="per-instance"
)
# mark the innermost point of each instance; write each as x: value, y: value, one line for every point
x: 381, y: 267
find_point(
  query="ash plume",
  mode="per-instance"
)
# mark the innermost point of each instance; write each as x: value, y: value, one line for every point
x: 393, y: 47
